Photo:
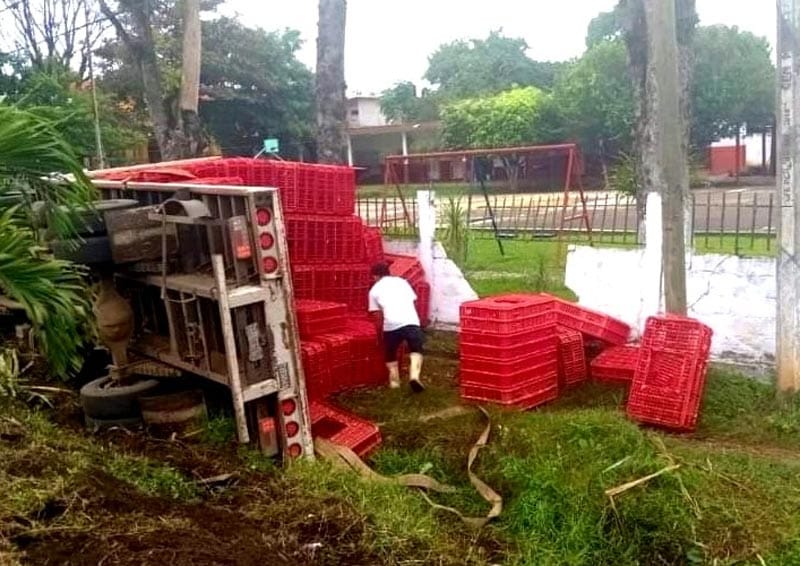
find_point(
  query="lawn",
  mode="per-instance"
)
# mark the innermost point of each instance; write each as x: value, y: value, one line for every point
x: 122, y: 498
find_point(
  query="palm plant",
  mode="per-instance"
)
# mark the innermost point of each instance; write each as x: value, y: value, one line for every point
x: 53, y: 293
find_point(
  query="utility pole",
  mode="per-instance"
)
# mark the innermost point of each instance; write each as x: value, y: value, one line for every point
x: 788, y: 188
x: 665, y: 105
x: 98, y: 136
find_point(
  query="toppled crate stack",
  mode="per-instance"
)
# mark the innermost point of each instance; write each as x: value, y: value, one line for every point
x: 616, y: 364
x: 670, y: 373
x: 343, y: 427
x: 509, y: 351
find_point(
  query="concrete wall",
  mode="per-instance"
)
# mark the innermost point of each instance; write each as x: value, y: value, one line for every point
x: 734, y: 296
x: 363, y: 111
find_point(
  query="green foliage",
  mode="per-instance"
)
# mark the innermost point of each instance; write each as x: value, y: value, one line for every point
x: 254, y: 88
x: 152, y: 478
x: 623, y: 175
x: 504, y: 120
x: 52, y: 292
x: 597, y: 99
x: 219, y: 430
x: 456, y: 233
x: 479, y: 67
x: 734, y: 83
x: 401, y: 104
x: 56, y: 96
x: 605, y: 26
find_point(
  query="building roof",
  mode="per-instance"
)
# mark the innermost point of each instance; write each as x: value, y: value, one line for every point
x: 394, y: 128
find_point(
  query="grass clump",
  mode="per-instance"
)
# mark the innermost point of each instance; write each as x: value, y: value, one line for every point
x: 151, y: 478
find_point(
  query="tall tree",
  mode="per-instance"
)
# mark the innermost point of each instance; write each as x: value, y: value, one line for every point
x: 733, y: 84
x: 52, y: 33
x: 512, y: 118
x: 597, y: 100
x: 659, y: 37
x: 133, y: 21
x: 464, y: 69
x: 331, y: 87
x: 401, y: 103
x: 190, y: 77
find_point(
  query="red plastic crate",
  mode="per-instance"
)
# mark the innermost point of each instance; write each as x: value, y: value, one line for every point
x: 511, y: 345
x: 348, y: 284
x: 670, y: 374
x: 373, y: 244
x: 314, y: 238
x: 367, y: 367
x: 423, y: 304
x: 543, y: 369
x: 504, y: 368
x: 339, y: 359
x: 342, y: 427
x: 589, y: 322
x: 616, y: 364
x: 319, y: 317
x: 507, y: 314
x: 526, y: 396
x: 571, y: 356
x: 316, y: 368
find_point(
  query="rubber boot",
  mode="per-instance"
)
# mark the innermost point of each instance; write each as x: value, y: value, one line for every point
x: 394, y: 374
x: 414, y: 372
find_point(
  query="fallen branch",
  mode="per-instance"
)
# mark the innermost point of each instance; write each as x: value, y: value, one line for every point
x: 614, y: 491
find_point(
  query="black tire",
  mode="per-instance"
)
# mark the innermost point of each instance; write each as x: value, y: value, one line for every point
x: 102, y: 402
x: 90, y: 221
x: 91, y: 251
x: 95, y: 425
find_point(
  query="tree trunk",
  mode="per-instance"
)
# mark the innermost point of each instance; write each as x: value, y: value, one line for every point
x: 170, y: 125
x: 190, y: 80
x: 330, y: 88
x: 659, y: 68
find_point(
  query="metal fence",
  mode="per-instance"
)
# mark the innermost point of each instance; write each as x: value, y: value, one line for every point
x: 738, y: 222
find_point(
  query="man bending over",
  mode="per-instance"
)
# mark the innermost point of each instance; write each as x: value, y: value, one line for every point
x: 394, y: 298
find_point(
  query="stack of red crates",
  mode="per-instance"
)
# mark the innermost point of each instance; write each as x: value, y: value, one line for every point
x: 509, y: 351
x: 670, y: 374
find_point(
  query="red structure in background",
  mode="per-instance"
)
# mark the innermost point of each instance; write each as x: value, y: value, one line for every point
x: 398, y: 170
x: 722, y: 160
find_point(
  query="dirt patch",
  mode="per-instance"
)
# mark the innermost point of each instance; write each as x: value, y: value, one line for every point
x: 126, y: 527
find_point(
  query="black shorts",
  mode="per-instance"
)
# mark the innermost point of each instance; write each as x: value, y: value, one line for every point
x: 411, y: 335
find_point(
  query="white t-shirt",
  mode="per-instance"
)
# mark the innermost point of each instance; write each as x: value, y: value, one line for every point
x: 395, y: 297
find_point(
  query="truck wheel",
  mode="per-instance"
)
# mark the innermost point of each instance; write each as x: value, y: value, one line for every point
x: 103, y: 400
x: 89, y: 251
x: 95, y: 425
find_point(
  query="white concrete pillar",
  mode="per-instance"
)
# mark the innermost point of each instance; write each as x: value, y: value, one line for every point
x: 349, y: 150
x: 426, y: 218
x: 652, y: 290
x: 405, y: 142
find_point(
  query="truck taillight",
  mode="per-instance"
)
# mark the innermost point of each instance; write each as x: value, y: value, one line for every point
x: 292, y: 428
x: 240, y: 239
x: 288, y: 406
x: 267, y: 241
x: 270, y: 265
x: 295, y: 450
x: 263, y: 216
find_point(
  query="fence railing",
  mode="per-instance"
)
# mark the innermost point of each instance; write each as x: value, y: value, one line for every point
x: 738, y: 222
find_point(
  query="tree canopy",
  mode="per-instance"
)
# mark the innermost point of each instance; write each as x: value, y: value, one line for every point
x: 401, y: 104
x: 469, y: 68
x: 596, y: 97
x: 514, y: 117
x: 734, y: 83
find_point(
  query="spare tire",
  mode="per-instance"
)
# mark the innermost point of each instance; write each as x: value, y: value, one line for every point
x: 103, y: 400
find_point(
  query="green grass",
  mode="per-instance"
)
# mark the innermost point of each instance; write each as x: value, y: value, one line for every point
x: 150, y: 477
x: 734, y: 498
x: 744, y: 246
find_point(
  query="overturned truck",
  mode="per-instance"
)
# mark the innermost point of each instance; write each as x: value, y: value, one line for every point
x: 196, y: 279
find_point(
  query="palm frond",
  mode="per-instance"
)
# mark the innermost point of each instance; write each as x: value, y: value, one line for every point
x: 37, y: 164
x: 52, y: 292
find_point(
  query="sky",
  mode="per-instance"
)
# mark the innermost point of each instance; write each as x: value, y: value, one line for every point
x: 390, y: 40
